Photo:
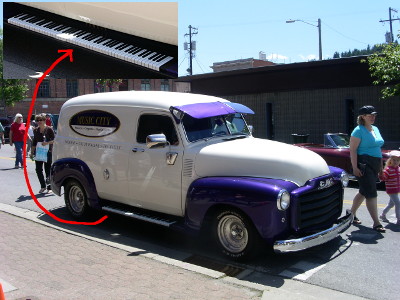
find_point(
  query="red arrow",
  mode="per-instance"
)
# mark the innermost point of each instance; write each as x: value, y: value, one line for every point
x: 67, y: 53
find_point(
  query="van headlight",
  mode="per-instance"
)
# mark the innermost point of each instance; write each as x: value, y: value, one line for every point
x: 344, y: 178
x: 283, y: 200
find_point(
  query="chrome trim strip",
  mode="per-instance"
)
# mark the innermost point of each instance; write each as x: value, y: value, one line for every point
x: 139, y: 217
x: 316, y: 239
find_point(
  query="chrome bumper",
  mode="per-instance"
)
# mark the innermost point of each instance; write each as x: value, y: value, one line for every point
x: 315, y: 239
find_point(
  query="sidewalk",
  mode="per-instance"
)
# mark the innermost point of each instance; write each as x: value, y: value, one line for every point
x: 43, y: 263
x: 38, y: 262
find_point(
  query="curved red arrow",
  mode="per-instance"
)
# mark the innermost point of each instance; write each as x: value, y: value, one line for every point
x: 68, y: 52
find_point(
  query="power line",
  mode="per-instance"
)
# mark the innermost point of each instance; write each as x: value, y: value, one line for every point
x: 190, y: 47
x: 391, y: 39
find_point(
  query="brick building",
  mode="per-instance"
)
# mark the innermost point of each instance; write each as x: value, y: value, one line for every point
x: 53, y: 93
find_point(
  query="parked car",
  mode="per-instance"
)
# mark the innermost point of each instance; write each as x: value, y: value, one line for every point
x: 336, y: 151
x: 6, y: 122
x: 189, y: 162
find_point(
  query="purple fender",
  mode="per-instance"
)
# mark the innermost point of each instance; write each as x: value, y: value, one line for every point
x: 256, y: 197
x: 72, y: 168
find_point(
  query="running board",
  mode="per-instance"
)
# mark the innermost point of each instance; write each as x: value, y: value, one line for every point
x: 163, y: 221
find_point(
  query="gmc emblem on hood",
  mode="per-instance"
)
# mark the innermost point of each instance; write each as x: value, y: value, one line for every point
x: 323, y: 184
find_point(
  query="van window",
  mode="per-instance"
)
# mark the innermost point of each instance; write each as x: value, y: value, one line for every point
x: 156, y: 124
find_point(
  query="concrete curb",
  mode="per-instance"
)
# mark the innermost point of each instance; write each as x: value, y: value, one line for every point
x: 289, y: 290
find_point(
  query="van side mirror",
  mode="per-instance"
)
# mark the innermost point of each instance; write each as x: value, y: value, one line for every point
x: 156, y: 141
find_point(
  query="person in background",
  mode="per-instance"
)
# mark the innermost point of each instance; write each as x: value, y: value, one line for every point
x: 43, y: 134
x: 17, y: 132
x: 30, y: 136
x: 366, y: 160
x: 48, y: 120
x: 391, y: 176
x: 1, y: 135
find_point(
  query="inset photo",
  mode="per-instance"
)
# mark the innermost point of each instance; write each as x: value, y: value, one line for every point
x: 108, y: 39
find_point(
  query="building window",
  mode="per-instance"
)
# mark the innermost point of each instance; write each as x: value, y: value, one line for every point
x: 44, y: 89
x: 165, y: 85
x: 145, y: 85
x: 72, y: 88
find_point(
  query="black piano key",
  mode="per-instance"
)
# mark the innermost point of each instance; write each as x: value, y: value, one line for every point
x: 82, y: 34
x: 155, y: 54
x: 34, y: 20
x: 99, y: 39
x: 25, y: 17
x: 161, y: 58
x: 42, y: 22
x: 124, y: 47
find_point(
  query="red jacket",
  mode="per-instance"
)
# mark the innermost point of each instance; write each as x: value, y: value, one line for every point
x: 18, y: 131
x: 391, y: 176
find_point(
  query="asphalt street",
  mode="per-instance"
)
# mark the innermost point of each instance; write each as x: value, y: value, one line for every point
x: 359, y: 264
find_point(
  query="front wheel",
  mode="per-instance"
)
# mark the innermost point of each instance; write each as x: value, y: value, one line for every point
x: 76, y: 199
x: 235, y: 235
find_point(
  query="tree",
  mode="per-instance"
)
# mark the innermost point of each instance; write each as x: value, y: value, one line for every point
x: 101, y: 84
x: 385, y: 69
x: 11, y: 90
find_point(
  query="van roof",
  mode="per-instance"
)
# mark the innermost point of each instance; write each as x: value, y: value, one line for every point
x: 148, y: 99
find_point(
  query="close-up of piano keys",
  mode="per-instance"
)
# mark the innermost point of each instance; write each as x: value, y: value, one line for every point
x: 159, y: 58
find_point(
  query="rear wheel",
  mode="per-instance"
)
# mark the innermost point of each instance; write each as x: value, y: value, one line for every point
x: 235, y: 235
x: 76, y: 199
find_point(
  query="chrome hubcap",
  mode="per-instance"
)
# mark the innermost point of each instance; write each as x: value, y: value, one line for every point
x: 232, y: 233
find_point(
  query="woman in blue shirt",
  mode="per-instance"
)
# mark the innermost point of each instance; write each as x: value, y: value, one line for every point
x: 366, y: 160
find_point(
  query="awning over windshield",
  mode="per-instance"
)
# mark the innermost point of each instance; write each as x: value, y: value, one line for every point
x: 212, y: 109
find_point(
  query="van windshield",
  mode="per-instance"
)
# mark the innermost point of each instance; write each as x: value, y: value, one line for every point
x: 205, y: 128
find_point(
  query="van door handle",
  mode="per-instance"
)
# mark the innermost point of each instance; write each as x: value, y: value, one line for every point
x: 137, y: 150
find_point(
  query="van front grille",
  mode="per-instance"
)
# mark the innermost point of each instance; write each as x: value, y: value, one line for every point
x: 319, y: 207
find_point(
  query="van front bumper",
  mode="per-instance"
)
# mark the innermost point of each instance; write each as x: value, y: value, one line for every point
x: 316, y: 239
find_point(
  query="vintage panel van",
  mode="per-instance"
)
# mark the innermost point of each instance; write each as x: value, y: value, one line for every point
x: 190, y: 162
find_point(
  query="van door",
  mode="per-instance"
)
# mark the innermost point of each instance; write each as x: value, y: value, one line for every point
x: 155, y: 183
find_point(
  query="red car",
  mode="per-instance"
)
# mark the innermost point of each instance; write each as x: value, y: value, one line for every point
x: 336, y: 151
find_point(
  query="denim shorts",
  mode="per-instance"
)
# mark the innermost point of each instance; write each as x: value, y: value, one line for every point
x: 370, y: 167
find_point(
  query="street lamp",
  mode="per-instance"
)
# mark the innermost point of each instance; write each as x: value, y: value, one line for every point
x: 319, y: 33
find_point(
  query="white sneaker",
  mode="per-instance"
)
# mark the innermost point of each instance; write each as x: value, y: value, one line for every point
x: 42, y: 190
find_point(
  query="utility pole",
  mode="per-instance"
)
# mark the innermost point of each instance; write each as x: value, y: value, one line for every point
x: 191, y: 47
x: 390, y: 21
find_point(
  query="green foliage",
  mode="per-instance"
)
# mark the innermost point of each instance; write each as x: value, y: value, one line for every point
x: 385, y: 69
x: 358, y: 52
x: 13, y: 90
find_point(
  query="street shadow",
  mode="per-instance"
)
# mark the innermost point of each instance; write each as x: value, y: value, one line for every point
x: 23, y: 198
x: 393, y: 227
x: 365, y: 235
x: 9, y: 169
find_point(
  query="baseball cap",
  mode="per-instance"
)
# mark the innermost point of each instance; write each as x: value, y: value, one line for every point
x: 367, y: 110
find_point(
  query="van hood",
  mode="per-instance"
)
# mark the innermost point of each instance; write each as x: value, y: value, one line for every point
x: 253, y: 157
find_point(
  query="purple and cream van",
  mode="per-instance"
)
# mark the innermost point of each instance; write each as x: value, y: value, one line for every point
x: 189, y: 162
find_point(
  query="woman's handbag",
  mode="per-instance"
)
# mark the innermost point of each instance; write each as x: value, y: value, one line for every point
x: 41, y: 152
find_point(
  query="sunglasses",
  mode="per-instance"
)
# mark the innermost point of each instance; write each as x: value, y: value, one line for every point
x: 40, y: 120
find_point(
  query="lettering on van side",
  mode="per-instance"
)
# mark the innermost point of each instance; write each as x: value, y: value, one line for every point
x: 93, y: 145
x: 94, y: 123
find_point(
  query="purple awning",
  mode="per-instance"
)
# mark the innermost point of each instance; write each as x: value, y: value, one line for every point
x: 212, y: 109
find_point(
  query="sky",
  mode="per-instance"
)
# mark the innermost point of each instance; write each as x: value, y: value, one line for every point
x: 240, y: 29
x: 234, y: 29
